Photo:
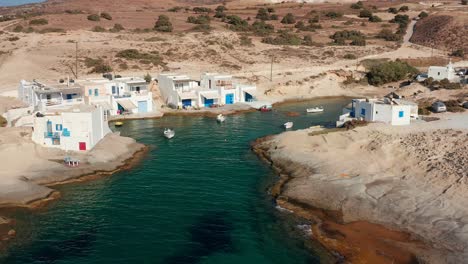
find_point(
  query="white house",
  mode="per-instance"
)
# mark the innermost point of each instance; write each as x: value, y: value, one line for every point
x: 118, y: 96
x: 396, y: 112
x: 439, y: 73
x: 78, y: 128
x: 42, y: 96
x: 213, y: 89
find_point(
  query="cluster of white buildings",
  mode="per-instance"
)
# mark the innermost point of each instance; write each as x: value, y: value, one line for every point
x: 73, y: 115
x: 396, y: 112
x: 181, y: 91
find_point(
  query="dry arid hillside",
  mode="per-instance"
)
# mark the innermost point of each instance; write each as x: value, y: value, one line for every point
x: 443, y: 31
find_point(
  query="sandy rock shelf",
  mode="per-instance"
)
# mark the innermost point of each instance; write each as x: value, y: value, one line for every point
x: 27, y: 169
x: 412, y: 179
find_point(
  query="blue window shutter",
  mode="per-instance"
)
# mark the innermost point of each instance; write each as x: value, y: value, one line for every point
x: 401, y: 114
x: 58, y: 127
x: 90, y: 92
x: 96, y: 92
x: 363, y: 112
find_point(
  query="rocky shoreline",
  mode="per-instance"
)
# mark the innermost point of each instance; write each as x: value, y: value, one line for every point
x: 386, y: 211
x: 33, y: 187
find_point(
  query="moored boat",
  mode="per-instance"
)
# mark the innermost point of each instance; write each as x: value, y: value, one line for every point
x: 317, y: 109
x: 169, y: 133
x: 220, y: 118
x: 265, y: 108
x: 118, y: 124
x: 288, y: 125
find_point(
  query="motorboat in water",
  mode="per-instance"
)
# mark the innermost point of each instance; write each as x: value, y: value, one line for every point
x: 317, y: 109
x: 118, y: 124
x: 266, y: 108
x: 169, y: 133
x: 288, y: 125
x: 220, y: 118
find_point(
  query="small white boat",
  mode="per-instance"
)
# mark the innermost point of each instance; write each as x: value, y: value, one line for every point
x: 220, y: 118
x: 288, y: 125
x: 169, y: 133
x: 317, y: 109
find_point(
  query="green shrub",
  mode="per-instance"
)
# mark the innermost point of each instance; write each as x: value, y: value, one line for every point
x: 403, y: 9
x: 220, y: 8
x: 237, y: 24
x: 3, y: 121
x: 18, y: 28
x: 357, y: 5
x: 133, y: 54
x: 52, y: 30
x: 358, y: 41
x: 148, y: 78
x: 393, y: 10
x: 15, y: 38
x: 39, y: 22
x: 117, y: 28
x: 356, y: 37
x: 283, y: 38
x: 202, y: 28
x: 375, y: 19
x: 458, y: 53
x: 103, y: 68
x: 274, y: 17
x: 423, y: 14
x: 388, y: 35
x: 220, y: 14
x: 288, y: 19
x: 98, y: 29
x: 163, y: 24
x: 314, y: 19
x: 201, y: 19
x: 333, y: 14
x: 106, y: 16
x: 175, y: 9
x: 365, y: 13
x: 261, y: 28
x: 94, y: 17
x: 350, y: 56
x: 401, y: 19
x: 263, y: 14
x: 73, y: 12
x: 245, y: 41
x: 390, y: 71
x: 202, y: 10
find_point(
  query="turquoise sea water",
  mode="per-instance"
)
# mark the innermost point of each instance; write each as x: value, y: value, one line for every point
x: 200, y: 197
x: 18, y: 2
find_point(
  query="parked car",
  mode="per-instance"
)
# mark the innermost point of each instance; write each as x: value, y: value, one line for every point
x: 421, y: 77
x: 465, y: 105
x: 439, y: 107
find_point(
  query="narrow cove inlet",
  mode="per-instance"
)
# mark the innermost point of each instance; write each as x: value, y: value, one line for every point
x: 201, y: 197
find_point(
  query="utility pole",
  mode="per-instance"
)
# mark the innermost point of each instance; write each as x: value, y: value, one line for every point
x: 76, y: 59
x: 271, y: 68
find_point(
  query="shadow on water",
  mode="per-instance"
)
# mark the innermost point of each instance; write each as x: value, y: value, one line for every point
x: 77, y: 246
x: 209, y: 235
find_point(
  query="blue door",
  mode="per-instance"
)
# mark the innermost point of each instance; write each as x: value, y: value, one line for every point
x: 187, y: 102
x: 142, y: 106
x: 209, y: 102
x: 229, y: 98
x: 69, y: 96
x: 248, y: 97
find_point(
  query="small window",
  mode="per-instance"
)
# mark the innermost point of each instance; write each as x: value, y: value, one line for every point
x: 90, y: 92
x: 363, y: 112
x: 401, y: 114
x: 96, y: 92
x: 438, y: 73
x: 58, y: 127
